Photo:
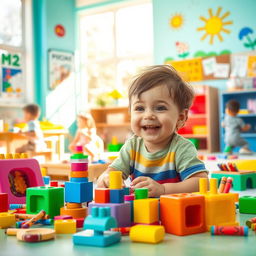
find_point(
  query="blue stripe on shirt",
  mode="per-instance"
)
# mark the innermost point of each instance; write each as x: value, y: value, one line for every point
x: 169, y: 174
x: 187, y: 172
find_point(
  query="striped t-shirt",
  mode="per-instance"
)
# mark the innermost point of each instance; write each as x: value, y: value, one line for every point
x: 177, y: 162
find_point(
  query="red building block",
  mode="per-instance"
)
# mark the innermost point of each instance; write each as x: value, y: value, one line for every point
x: 102, y: 195
x: 4, y: 202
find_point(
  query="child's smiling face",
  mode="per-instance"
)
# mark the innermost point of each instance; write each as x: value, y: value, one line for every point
x: 155, y: 117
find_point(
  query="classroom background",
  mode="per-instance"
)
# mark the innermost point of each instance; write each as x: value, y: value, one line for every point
x: 78, y: 57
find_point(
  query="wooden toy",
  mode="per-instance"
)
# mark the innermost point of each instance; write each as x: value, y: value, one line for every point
x: 121, y: 212
x: 147, y: 233
x: 183, y: 214
x: 16, y: 176
x: 247, y: 204
x: 80, y: 212
x: 63, y: 217
x: 35, y: 235
x: 7, y: 220
x: 229, y: 230
x: 97, y: 226
x: 250, y: 222
x: 146, y: 210
x: 3, y: 202
x: 215, y: 203
x: 102, y: 195
x: 50, y: 199
x: 33, y: 220
x: 67, y: 226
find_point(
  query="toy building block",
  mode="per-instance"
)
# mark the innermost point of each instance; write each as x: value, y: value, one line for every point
x: 121, y: 212
x: 247, y: 204
x: 96, y: 228
x: 116, y: 196
x: 241, y: 180
x: 16, y: 176
x: 147, y: 233
x: 130, y: 199
x: 183, y: 214
x: 78, y: 167
x: 102, y: 195
x: 4, y: 202
x: 47, y: 180
x: 7, y: 220
x: 82, y: 174
x: 78, y: 192
x: 76, y: 213
x: 146, y: 210
x: 215, y: 203
x: 63, y: 217
x: 141, y: 193
x: 115, y: 180
x: 49, y: 199
x: 65, y: 226
x: 78, y: 179
x: 79, y: 222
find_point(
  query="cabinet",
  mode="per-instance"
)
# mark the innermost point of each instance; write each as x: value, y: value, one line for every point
x: 249, y: 116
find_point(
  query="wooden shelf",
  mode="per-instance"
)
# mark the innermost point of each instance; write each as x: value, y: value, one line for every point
x: 102, y: 125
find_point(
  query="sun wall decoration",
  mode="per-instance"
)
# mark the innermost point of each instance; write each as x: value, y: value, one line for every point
x: 215, y: 25
x: 176, y: 21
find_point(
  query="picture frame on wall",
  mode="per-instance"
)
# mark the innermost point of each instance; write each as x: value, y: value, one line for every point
x: 61, y: 66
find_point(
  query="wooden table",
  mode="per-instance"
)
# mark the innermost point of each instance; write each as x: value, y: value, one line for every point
x: 11, y: 138
x: 60, y: 171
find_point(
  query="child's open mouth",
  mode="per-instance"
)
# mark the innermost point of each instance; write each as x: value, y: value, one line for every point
x: 151, y: 127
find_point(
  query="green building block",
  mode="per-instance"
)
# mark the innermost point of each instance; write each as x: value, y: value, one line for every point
x: 240, y: 181
x: 141, y: 193
x: 49, y: 199
x: 247, y: 204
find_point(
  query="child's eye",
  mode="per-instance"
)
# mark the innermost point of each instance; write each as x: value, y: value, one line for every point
x: 139, y: 108
x: 161, y: 108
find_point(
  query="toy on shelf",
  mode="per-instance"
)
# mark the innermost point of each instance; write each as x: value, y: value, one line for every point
x: 78, y: 190
x: 114, y: 146
x: 97, y: 229
x: 17, y: 175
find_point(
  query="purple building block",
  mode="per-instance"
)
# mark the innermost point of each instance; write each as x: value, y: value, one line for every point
x: 121, y: 212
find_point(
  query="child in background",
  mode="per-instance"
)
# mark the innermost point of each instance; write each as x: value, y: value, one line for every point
x: 233, y: 126
x: 86, y: 136
x: 34, y: 133
x: 156, y: 156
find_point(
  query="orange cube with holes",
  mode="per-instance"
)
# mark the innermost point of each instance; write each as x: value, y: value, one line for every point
x: 79, y: 174
x: 183, y: 214
x: 102, y: 195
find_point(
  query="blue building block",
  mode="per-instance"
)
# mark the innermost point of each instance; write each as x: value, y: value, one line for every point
x: 97, y: 224
x: 47, y: 180
x: 79, y: 179
x: 78, y: 192
x: 127, y: 191
x: 116, y: 196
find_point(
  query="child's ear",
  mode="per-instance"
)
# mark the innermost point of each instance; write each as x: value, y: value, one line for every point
x: 183, y: 117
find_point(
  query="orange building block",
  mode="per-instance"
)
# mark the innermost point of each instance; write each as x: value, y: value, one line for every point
x: 75, y: 213
x: 79, y: 174
x: 183, y: 214
x: 102, y: 195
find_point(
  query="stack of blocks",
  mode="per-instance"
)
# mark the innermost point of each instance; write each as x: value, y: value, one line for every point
x: 113, y: 197
x: 97, y: 226
x: 6, y: 219
x: 78, y: 190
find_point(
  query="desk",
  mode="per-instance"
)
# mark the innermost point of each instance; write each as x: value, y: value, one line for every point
x: 10, y: 138
x: 60, y: 171
x: 195, y: 245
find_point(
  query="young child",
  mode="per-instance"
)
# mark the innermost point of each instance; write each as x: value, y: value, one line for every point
x: 34, y: 133
x: 86, y: 136
x: 157, y: 157
x: 233, y: 126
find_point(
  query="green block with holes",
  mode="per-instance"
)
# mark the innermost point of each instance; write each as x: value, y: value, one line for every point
x: 247, y: 204
x: 49, y: 199
x: 240, y: 181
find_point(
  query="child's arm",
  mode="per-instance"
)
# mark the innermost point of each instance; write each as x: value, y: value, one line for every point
x: 246, y: 128
x: 72, y: 145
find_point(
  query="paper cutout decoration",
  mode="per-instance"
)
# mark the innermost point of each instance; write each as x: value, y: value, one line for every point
x: 221, y: 70
x: 239, y: 65
x: 251, y: 67
x: 176, y: 21
x: 209, y: 65
x: 215, y: 25
x: 244, y: 35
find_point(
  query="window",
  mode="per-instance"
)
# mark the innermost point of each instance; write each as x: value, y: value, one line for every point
x: 114, y: 44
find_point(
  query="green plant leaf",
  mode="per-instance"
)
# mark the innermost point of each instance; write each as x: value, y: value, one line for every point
x: 225, y: 52
x: 200, y: 54
x: 247, y: 45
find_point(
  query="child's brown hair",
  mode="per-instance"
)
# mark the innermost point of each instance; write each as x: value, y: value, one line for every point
x: 32, y: 109
x: 233, y: 106
x: 180, y: 91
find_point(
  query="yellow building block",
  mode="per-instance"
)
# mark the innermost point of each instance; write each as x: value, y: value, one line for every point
x: 147, y: 233
x: 245, y: 164
x: 65, y: 226
x: 7, y: 220
x: 115, y: 180
x: 220, y: 208
x: 146, y: 210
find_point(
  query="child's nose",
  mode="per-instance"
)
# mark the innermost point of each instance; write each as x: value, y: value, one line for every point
x: 149, y: 115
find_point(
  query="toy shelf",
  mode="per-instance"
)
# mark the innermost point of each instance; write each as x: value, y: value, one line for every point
x: 242, y: 96
x: 202, y: 124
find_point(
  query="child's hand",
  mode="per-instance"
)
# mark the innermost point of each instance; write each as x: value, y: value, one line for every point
x: 103, y: 180
x: 154, y: 188
x: 246, y: 128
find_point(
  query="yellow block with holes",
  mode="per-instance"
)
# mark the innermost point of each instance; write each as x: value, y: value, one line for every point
x: 65, y: 226
x: 7, y: 220
x: 147, y: 233
x: 146, y: 210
